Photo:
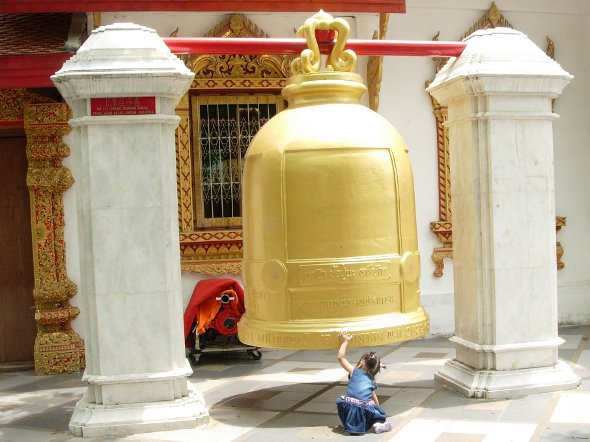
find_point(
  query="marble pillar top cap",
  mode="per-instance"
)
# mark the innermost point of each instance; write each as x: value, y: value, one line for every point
x: 124, y: 51
x: 501, y: 52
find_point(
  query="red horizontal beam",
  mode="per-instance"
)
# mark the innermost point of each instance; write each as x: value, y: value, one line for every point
x: 30, y: 71
x: 31, y: 6
x: 212, y: 45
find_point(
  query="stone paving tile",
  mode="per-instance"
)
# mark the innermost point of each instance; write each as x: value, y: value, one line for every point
x: 425, y: 430
x: 456, y: 437
x: 527, y: 409
x: 215, y: 367
x: 408, y: 354
x: 56, y: 419
x: 584, y: 360
x: 572, y: 342
x: 572, y: 408
x: 406, y: 401
x: 60, y: 381
x: 20, y: 378
x: 26, y: 435
x: 449, y: 405
x: 229, y: 391
x: 272, y: 353
x: 574, y: 330
x: 438, y: 341
x: 566, y: 433
x: 29, y: 404
x: 567, y: 354
x: 298, y: 426
x: 205, y: 385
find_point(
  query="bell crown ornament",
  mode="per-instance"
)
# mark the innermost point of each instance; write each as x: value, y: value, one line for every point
x: 339, y: 59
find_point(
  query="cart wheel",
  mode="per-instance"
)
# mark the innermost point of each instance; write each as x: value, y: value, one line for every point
x: 194, y: 358
x: 255, y: 354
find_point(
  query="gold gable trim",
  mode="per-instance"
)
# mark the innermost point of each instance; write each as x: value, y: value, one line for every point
x: 238, y: 71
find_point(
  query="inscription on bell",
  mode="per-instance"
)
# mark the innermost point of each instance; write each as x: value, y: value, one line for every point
x: 334, y: 303
x: 353, y: 272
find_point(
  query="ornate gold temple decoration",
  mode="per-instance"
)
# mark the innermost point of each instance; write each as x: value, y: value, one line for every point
x: 375, y: 65
x: 206, y: 247
x: 238, y: 71
x: 184, y: 167
x: 560, y: 221
x: 58, y: 348
x: 12, y: 102
x: 550, y: 51
x: 443, y: 228
x: 96, y: 18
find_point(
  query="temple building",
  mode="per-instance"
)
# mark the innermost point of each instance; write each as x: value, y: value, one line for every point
x: 229, y: 99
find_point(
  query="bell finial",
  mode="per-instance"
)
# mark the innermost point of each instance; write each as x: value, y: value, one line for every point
x: 340, y: 59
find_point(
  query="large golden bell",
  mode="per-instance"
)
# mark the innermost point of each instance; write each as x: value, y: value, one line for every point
x: 329, y: 221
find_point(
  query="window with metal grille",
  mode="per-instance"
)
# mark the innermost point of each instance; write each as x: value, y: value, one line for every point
x: 223, y: 127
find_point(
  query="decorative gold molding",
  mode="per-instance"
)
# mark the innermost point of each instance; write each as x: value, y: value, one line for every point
x: 375, y: 65
x: 218, y: 268
x: 96, y: 19
x: 443, y: 228
x: 219, y: 251
x: 238, y: 71
x: 58, y: 348
x: 184, y: 167
x: 212, y: 252
x: 560, y: 221
x: 12, y: 102
x: 236, y: 25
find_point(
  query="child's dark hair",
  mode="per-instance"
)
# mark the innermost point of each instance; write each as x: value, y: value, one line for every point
x: 372, y: 364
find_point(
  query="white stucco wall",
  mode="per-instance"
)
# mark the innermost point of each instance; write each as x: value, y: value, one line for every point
x: 405, y: 104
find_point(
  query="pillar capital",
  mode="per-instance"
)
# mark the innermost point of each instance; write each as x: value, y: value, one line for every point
x: 134, y: 55
x: 499, y: 61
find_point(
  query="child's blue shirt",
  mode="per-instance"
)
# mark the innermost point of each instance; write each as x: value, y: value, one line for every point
x: 360, y: 385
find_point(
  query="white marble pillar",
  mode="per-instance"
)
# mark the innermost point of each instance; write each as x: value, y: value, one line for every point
x: 123, y: 85
x: 499, y: 95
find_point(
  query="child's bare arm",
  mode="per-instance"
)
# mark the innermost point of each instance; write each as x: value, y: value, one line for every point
x: 344, y: 339
x: 375, y: 399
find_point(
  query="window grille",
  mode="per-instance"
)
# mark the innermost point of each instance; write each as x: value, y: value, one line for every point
x: 223, y: 127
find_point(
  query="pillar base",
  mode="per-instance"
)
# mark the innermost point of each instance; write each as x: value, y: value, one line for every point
x: 506, y: 384
x: 96, y: 420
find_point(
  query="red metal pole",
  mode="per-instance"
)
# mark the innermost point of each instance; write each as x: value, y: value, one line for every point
x: 214, y: 45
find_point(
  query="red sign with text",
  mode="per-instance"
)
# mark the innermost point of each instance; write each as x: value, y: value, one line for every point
x: 122, y: 106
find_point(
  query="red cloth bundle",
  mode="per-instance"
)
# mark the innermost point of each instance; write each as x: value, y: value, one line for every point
x: 203, y: 305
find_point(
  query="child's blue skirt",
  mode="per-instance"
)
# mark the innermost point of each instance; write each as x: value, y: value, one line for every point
x: 359, y: 416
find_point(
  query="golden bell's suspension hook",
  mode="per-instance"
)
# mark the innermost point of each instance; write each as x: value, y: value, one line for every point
x: 340, y: 59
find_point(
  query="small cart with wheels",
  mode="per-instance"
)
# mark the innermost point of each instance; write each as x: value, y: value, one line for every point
x: 211, y: 319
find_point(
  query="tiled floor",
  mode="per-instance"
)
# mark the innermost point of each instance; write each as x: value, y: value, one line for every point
x: 290, y: 396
